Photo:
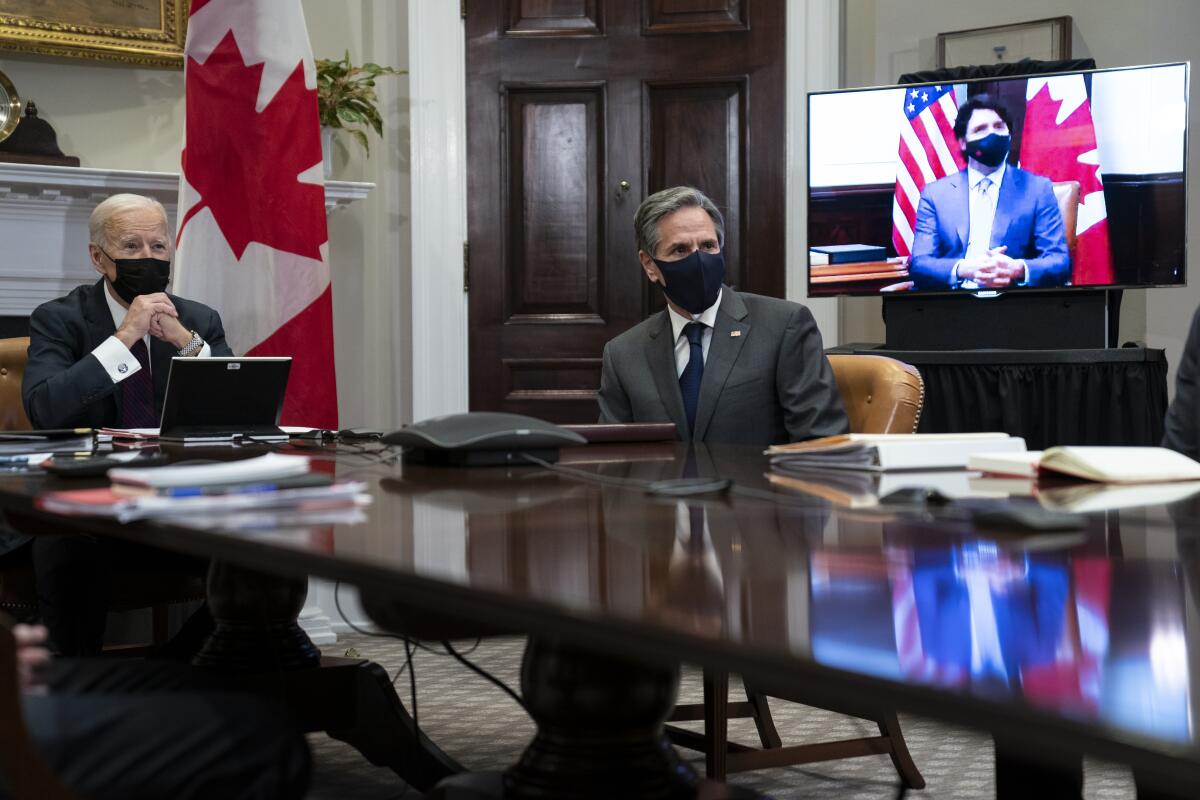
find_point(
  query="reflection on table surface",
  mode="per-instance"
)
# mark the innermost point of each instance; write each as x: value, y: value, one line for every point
x: 1096, y: 624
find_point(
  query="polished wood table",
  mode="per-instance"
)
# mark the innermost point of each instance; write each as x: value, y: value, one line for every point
x: 1083, y: 641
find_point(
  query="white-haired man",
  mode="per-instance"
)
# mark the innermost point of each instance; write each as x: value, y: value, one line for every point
x: 100, y: 357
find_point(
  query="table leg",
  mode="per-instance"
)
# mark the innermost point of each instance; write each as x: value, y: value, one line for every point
x: 599, y: 733
x: 256, y: 622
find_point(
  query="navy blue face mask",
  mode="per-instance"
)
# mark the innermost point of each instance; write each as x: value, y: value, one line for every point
x: 990, y: 150
x: 693, y: 283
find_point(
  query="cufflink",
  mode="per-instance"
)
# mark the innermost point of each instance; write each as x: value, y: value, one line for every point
x: 122, y: 368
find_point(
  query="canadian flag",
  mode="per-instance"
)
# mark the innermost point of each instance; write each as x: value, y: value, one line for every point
x: 252, y: 240
x: 1059, y: 142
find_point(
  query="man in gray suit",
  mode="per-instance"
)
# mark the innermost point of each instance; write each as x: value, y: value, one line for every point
x: 724, y: 366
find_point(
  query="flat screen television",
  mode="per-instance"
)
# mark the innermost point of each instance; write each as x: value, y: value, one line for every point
x: 1067, y: 181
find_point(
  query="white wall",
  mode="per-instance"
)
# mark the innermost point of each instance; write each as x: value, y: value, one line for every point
x: 119, y: 117
x: 884, y: 38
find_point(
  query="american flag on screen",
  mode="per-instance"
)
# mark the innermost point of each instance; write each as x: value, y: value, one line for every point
x: 928, y: 151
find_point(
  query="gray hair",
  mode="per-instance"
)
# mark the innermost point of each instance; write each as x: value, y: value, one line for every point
x: 668, y: 201
x: 98, y: 222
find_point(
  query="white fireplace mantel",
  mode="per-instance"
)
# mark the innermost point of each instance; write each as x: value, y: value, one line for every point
x: 43, y: 224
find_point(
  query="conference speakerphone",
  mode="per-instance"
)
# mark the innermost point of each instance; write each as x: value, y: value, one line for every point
x: 222, y: 398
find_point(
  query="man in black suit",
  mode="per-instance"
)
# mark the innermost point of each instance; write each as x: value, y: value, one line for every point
x: 100, y: 357
x: 1182, y: 427
x: 115, y: 728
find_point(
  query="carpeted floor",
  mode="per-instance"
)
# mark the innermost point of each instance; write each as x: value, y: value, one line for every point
x: 480, y: 726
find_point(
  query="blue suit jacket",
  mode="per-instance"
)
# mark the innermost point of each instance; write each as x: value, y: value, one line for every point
x: 1029, y: 616
x: 1027, y: 221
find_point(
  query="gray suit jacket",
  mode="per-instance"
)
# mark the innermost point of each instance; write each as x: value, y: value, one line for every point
x: 766, y: 379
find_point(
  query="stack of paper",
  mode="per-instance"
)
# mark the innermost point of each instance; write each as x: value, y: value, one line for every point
x: 254, y: 492
x: 263, y: 468
x: 882, y: 452
x: 64, y: 440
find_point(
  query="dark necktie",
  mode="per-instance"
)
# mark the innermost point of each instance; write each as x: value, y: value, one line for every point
x: 137, y: 392
x: 689, y: 379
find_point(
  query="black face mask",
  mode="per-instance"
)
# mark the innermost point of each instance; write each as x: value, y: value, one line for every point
x: 694, y: 282
x: 990, y: 150
x: 139, y: 276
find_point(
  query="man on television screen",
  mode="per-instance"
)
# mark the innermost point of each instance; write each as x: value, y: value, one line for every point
x: 992, y: 225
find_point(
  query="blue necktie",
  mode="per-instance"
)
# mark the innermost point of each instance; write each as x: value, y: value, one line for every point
x: 689, y: 379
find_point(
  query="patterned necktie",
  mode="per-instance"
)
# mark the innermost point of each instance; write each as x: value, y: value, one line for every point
x: 982, y: 212
x: 689, y: 379
x: 137, y: 392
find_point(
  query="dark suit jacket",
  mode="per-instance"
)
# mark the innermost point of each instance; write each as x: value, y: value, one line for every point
x: 65, y: 386
x: 1028, y: 222
x: 766, y: 379
x: 1182, y: 426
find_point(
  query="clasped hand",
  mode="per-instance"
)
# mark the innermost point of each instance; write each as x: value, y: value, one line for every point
x: 154, y: 314
x: 994, y: 270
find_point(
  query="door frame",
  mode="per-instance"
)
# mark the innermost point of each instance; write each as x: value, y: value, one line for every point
x: 437, y: 74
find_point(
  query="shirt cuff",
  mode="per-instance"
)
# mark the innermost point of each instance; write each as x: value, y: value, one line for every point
x: 1025, y: 280
x: 205, y: 351
x: 116, y: 359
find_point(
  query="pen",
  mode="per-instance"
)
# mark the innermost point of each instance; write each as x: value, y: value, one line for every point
x: 203, y: 491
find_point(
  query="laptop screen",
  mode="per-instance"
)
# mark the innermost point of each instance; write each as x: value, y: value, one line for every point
x: 234, y: 394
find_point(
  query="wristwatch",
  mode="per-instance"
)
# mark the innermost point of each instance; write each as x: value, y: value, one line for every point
x: 193, y: 346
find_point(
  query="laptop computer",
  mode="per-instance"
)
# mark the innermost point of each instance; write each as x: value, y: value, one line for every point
x: 218, y: 399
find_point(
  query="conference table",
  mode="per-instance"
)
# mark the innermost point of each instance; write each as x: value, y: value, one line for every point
x: 1082, y: 639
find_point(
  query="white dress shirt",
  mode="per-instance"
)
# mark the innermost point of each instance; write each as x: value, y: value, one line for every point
x: 982, y: 216
x: 118, y: 361
x: 683, y: 348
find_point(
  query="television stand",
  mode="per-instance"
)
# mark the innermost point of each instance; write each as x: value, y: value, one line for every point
x: 1018, y: 320
x: 1110, y: 396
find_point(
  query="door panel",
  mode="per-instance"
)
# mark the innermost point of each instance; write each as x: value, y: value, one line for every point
x: 555, y: 168
x: 695, y: 135
x: 553, y: 18
x: 576, y: 110
x: 693, y: 16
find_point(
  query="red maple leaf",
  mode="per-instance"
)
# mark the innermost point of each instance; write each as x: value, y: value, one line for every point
x: 1053, y: 149
x: 244, y: 164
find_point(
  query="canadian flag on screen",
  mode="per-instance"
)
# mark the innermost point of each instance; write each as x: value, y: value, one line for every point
x: 252, y: 240
x: 1059, y: 142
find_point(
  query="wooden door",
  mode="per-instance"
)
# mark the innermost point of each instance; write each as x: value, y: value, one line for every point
x: 576, y: 111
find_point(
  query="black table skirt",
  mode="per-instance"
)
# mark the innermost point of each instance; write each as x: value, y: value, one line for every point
x: 1098, y: 397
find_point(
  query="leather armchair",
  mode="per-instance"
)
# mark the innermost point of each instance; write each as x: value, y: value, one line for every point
x: 881, y: 395
x: 13, y: 355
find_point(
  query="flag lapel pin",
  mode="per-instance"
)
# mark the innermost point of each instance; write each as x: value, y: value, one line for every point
x: 735, y: 333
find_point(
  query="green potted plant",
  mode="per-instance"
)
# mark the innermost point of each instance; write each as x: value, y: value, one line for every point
x: 346, y: 100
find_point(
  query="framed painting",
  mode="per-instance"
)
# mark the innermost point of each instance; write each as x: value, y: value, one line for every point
x: 1043, y: 39
x: 142, y: 32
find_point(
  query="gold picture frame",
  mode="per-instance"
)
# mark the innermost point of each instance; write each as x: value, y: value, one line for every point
x: 147, y: 33
x: 1042, y: 39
